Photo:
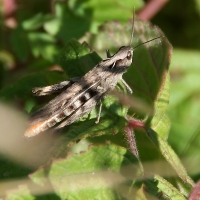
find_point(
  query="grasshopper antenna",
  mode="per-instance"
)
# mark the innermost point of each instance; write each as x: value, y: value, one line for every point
x: 148, y: 41
x: 132, y: 33
x: 132, y: 30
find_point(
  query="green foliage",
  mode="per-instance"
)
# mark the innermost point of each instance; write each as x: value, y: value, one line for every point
x: 103, y: 168
x: 184, y: 108
x: 87, y: 177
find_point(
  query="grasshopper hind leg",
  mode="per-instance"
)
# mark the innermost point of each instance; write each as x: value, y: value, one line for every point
x: 52, y: 89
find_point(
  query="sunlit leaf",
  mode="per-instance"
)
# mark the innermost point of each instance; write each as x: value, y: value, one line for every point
x: 36, y: 21
x: 43, y: 45
x: 170, y: 156
x: 168, y: 189
x: 21, y: 193
x: 96, y: 172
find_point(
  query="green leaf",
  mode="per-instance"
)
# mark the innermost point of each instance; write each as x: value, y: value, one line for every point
x: 112, y: 104
x: 36, y: 21
x: 163, y: 127
x: 89, y: 128
x: 170, y: 156
x: 39, y: 64
x: 52, y: 26
x: 95, y: 173
x: 159, y: 188
x: 168, y: 189
x: 43, y: 45
x: 19, y: 43
x: 66, y: 25
x: 22, y: 88
x: 77, y: 59
x: 21, y: 193
x: 74, y: 19
x: 160, y: 122
x: 111, y: 10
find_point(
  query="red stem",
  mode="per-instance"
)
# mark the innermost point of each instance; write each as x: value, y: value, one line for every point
x: 151, y: 9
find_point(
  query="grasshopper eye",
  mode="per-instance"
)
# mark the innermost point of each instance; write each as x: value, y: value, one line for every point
x: 129, y: 55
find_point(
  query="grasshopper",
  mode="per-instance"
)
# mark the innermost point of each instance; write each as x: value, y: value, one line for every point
x: 78, y: 96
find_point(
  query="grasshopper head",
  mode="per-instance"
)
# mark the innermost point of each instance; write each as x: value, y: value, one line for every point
x: 124, y: 57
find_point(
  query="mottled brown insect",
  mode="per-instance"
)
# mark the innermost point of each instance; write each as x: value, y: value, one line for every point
x: 79, y: 96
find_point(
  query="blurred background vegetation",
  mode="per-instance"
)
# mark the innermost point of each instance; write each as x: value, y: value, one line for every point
x: 34, y: 32
x: 180, y: 22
